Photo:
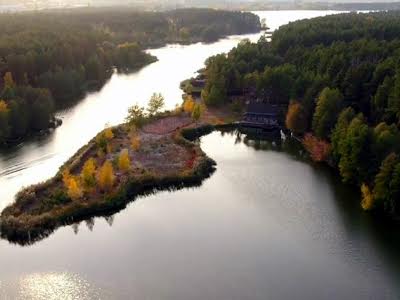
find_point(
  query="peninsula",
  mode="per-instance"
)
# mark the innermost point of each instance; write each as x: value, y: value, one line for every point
x: 151, y: 151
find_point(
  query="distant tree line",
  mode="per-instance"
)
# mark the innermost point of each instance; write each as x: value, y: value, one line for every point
x: 51, y: 58
x: 339, y: 78
x: 260, y: 5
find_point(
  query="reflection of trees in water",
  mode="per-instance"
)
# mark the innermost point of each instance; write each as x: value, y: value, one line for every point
x: 75, y: 227
x: 376, y: 232
x: 150, y: 189
x: 109, y: 220
x: 90, y: 223
x: 259, y: 141
x: 269, y: 141
x: 238, y: 139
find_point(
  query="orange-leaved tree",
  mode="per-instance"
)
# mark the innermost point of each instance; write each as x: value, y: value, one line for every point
x: 72, y: 184
x: 189, y: 104
x: 3, y: 106
x: 74, y: 188
x: 296, y: 118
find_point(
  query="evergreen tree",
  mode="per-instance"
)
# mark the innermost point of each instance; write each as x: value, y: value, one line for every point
x: 340, y: 132
x: 354, y: 164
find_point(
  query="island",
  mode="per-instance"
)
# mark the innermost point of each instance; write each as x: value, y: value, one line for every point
x: 152, y: 151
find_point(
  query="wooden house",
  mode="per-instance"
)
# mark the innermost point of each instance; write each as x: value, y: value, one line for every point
x: 261, y: 115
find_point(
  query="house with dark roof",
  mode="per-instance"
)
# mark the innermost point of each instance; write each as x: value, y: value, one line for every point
x: 261, y: 115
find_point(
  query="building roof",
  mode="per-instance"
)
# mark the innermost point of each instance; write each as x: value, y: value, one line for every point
x: 262, y: 108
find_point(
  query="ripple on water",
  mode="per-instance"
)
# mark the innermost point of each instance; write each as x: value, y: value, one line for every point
x: 53, y: 285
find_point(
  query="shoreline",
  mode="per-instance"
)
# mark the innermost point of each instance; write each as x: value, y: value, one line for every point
x: 21, y: 225
x: 100, y: 85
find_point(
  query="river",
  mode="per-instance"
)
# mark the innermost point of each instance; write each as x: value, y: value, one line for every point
x: 266, y: 225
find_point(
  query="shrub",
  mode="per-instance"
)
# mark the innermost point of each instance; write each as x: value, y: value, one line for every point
x: 319, y: 149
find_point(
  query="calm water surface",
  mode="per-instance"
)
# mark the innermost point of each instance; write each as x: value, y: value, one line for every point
x: 266, y: 225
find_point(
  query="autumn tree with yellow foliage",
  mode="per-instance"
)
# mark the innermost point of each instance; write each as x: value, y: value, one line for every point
x: 72, y: 184
x: 74, y: 188
x: 3, y: 106
x: 197, y: 112
x: 4, y: 118
x: 108, y: 134
x: 188, y: 105
x: 65, y: 177
x: 106, y: 177
x: 367, y: 201
x: 88, y: 173
x: 124, y: 161
x: 103, y: 140
x: 135, y: 142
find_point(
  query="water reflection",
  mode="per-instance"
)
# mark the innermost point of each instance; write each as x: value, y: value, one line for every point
x: 265, y: 225
x: 107, y: 212
x: 91, y: 222
x: 255, y: 139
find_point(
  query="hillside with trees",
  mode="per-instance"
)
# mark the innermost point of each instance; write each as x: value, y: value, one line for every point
x: 337, y: 79
x: 49, y: 59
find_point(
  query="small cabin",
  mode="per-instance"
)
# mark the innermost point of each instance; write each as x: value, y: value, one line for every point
x: 261, y: 115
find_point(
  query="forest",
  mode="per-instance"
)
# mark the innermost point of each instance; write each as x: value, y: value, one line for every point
x: 48, y: 59
x: 337, y: 80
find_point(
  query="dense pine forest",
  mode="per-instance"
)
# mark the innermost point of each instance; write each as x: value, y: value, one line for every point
x: 337, y: 79
x: 49, y: 59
